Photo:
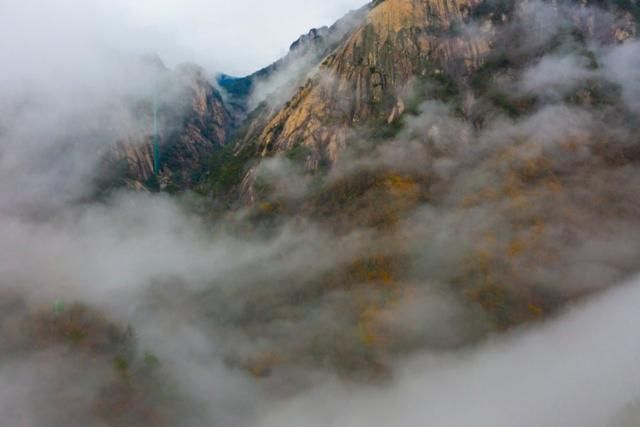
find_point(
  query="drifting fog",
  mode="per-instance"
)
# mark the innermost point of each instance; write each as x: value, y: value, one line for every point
x: 577, y: 370
x: 236, y: 38
x: 193, y: 290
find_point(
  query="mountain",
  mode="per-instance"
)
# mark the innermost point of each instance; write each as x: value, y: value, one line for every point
x: 244, y: 93
x: 461, y: 129
x: 479, y: 119
x: 363, y: 72
x: 197, y: 115
x: 389, y: 204
x: 368, y: 80
x: 192, y: 122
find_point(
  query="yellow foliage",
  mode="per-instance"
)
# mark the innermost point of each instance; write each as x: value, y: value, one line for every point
x: 490, y: 296
x: 516, y: 248
x: 553, y: 184
x: 535, y: 309
x: 263, y: 364
x: 367, y: 328
x: 266, y: 208
x: 377, y: 268
x: 395, y: 195
x: 402, y: 185
x: 535, y: 167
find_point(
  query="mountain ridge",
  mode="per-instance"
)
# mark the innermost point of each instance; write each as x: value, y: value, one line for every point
x: 423, y: 40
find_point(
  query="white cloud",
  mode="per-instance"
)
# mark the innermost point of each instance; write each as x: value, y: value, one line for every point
x: 73, y: 62
x: 579, y: 370
x: 231, y: 36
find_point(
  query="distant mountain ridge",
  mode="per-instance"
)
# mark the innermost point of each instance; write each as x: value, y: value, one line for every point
x: 374, y: 56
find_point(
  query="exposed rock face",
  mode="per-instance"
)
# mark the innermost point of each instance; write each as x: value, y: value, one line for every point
x: 358, y: 74
x: 192, y: 123
x: 492, y: 148
x: 289, y: 72
x: 307, y: 41
x: 366, y: 80
x: 363, y: 79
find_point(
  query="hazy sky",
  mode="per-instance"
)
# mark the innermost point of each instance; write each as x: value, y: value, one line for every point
x: 234, y: 36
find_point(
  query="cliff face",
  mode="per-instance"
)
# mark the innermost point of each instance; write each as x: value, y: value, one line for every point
x: 193, y: 122
x: 269, y: 88
x: 360, y: 75
x: 362, y: 80
x: 445, y: 47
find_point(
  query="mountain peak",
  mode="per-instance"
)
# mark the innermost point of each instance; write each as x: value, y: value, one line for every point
x: 397, y: 40
x: 314, y: 36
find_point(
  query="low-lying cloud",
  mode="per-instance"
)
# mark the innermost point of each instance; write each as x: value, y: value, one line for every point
x: 580, y: 369
x: 295, y: 323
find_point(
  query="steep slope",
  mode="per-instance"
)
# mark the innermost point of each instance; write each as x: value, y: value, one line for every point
x: 448, y: 170
x: 362, y: 80
x: 283, y: 76
x: 192, y: 122
x: 403, y: 53
x: 460, y: 135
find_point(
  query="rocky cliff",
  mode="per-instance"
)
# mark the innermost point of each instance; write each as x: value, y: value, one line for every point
x: 460, y: 134
x: 363, y: 79
x: 405, y: 52
x: 247, y: 93
x: 192, y: 122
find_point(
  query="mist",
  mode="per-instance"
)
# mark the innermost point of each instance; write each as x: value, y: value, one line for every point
x: 220, y: 36
x: 579, y: 369
x: 395, y: 308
